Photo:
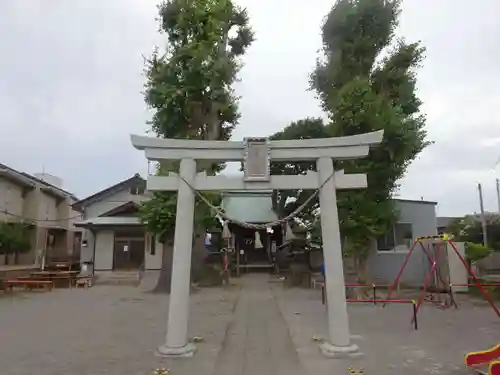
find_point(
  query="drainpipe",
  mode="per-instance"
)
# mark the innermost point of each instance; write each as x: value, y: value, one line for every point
x: 93, y: 251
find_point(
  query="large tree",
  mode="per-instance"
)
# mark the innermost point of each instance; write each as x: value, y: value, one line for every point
x: 365, y: 80
x: 303, y: 129
x: 189, y: 89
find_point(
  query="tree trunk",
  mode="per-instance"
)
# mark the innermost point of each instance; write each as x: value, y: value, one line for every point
x: 362, y: 274
x: 165, y: 278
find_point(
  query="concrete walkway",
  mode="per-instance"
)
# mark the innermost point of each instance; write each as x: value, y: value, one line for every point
x: 257, y: 341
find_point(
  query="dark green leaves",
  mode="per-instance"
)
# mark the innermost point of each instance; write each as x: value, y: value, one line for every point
x: 189, y: 86
x: 362, y: 95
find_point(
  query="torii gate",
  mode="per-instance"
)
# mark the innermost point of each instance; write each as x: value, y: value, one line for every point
x: 257, y: 154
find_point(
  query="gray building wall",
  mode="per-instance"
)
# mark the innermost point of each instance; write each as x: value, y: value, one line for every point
x: 384, y: 265
x: 11, y: 200
x: 24, y: 197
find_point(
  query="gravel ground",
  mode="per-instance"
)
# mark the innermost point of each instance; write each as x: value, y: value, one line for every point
x: 104, y: 330
x: 386, y: 337
x: 255, y: 328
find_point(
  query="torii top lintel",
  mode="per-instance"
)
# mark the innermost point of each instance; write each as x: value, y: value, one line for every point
x: 350, y: 147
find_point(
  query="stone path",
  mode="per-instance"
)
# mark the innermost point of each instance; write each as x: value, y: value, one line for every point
x: 257, y: 341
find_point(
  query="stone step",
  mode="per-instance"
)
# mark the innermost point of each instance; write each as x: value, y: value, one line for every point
x: 118, y: 278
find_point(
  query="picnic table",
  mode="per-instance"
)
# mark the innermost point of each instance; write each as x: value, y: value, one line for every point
x: 58, y: 266
x: 8, y: 285
x: 55, y: 276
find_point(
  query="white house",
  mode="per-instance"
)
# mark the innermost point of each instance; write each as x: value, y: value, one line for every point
x: 114, y: 238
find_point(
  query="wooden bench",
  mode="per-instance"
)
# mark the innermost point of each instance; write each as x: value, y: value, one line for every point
x: 8, y: 285
x: 57, y: 277
x: 85, y: 282
x: 64, y: 278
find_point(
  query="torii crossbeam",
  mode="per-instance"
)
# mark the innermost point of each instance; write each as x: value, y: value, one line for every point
x: 257, y: 154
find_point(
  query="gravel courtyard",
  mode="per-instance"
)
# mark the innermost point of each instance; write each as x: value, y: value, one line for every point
x: 256, y: 328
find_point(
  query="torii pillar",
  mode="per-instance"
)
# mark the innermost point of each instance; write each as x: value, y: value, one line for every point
x: 257, y: 154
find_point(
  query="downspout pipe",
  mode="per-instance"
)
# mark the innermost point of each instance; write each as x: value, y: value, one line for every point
x: 93, y: 250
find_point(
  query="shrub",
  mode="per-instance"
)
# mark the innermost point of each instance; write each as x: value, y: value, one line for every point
x: 476, y: 251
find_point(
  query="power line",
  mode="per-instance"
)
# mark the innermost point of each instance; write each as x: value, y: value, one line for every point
x: 38, y: 220
x: 53, y: 220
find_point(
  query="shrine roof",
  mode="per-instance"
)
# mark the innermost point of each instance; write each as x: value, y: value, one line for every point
x: 251, y: 207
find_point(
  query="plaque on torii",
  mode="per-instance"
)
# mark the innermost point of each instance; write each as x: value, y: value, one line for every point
x: 257, y: 154
x: 257, y: 162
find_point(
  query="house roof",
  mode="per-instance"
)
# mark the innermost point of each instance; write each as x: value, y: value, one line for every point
x: 415, y: 201
x: 109, y: 221
x: 444, y: 221
x: 17, y: 178
x: 251, y: 207
x: 256, y: 206
x: 109, y: 191
x: 121, y: 209
x: 26, y: 180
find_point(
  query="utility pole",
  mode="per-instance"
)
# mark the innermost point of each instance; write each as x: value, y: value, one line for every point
x: 483, y: 218
x: 498, y: 194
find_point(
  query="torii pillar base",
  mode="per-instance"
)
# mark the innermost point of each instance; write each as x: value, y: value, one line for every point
x: 185, y: 351
x: 334, y: 351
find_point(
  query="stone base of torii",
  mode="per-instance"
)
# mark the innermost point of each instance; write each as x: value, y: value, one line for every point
x: 257, y: 154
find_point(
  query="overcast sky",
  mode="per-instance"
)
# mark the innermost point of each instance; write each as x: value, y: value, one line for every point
x: 71, y: 81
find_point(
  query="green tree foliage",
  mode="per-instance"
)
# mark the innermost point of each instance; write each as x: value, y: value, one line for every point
x: 469, y: 229
x: 189, y: 87
x: 365, y: 80
x: 303, y: 129
x: 476, y: 251
x: 14, y: 239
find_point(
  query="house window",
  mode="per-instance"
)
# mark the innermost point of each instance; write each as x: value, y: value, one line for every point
x: 137, y: 190
x: 400, y: 237
x: 404, y: 234
x: 386, y: 242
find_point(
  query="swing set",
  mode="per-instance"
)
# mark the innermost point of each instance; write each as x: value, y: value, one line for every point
x: 437, y: 282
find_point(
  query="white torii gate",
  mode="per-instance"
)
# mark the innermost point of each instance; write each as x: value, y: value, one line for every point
x: 257, y: 154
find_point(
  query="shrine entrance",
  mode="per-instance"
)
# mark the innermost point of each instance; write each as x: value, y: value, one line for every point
x: 257, y: 154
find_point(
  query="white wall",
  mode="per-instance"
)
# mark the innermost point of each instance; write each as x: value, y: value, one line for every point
x: 458, y: 273
x: 110, y: 202
x: 104, y: 244
x: 87, y: 252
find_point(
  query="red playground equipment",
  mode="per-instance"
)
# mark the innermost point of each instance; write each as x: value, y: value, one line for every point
x: 436, y: 250
x: 486, y: 362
